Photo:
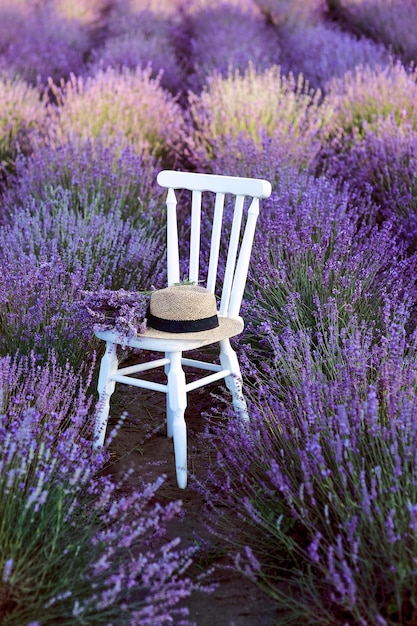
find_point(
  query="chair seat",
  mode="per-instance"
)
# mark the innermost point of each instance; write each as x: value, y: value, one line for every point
x: 161, y: 341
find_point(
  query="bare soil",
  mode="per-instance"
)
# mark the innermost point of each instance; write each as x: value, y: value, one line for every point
x: 141, y: 444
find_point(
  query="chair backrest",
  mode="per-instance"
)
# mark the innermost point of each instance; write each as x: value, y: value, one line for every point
x: 239, y: 246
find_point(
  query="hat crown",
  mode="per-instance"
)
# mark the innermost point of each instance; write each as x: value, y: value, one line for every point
x: 183, y: 303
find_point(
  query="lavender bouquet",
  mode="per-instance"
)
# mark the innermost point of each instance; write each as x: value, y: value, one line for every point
x: 120, y: 310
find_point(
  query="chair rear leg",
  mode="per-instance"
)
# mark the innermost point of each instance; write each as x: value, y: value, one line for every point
x: 177, y: 399
x: 105, y: 387
x: 169, y: 411
x: 228, y: 360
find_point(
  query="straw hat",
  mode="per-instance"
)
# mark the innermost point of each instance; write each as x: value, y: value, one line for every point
x: 189, y: 309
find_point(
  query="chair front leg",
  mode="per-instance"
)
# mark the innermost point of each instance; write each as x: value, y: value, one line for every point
x: 177, y: 400
x: 228, y: 360
x: 105, y: 387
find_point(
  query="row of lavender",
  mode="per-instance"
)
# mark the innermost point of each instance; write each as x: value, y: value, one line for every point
x: 188, y: 39
x: 324, y: 486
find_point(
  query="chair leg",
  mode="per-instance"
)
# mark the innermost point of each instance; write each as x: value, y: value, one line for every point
x: 177, y: 399
x: 105, y: 387
x: 169, y: 411
x: 228, y: 360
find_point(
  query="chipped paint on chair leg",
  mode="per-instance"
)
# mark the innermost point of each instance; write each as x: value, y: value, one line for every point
x: 105, y: 387
x: 228, y: 360
x: 177, y: 398
x: 169, y: 412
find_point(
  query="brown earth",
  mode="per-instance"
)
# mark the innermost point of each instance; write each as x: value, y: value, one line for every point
x: 141, y: 444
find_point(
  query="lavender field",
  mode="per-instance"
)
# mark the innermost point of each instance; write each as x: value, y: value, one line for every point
x: 316, y: 501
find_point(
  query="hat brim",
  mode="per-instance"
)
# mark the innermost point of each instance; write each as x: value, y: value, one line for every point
x: 162, y: 341
x: 228, y: 327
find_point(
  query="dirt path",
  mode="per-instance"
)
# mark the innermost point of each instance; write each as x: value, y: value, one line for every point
x: 141, y: 444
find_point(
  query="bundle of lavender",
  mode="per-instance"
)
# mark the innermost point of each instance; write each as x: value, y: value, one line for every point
x: 122, y: 311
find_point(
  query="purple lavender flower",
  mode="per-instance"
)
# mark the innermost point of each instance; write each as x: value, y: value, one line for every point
x: 339, y: 515
x: 225, y: 36
x: 95, y: 176
x: 48, y: 45
x: 50, y: 253
x: 121, y: 310
x: 131, y: 107
x: 250, y: 108
x: 318, y: 258
x: 290, y: 13
x: 388, y: 22
x: 23, y: 120
x: 331, y: 441
x: 321, y: 52
x: 140, y: 38
x: 97, y: 532
x: 365, y: 95
x: 382, y: 164
x: 12, y: 18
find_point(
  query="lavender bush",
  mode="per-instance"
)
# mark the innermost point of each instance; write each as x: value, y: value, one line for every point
x: 370, y: 140
x: 389, y: 22
x: 373, y: 102
x: 329, y: 371
x: 86, y: 12
x: 367, y: 94
x: 48, y: 45
x: 315, y: 248
x: 225, y: 37
x: 129, y: 105
x: 123, y: 10
x: 290, y: 13
x: 22, y: 119
x: 269, y: 157
x: 106, y: 247
x: 75, y: 545
x: 12, y: 14
x: 322, y: 52
x: 140, y: 39
x: 253, y: 105
x: 49, y: 253
x: 383, y: 164
x: 321, y: 485
x: 105, y: 178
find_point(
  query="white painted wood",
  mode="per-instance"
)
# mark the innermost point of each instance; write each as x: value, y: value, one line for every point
x: 182, y: 344
x: 172, y: 239
x: 178, y: 401
x: 214, y: 182
x: 232, y: 255
x: 169, y: 411
x: 206, y: 380
x: 242, y: 266
x: 202, y: 365
x: 229, y: 361
x: 232, y: 292
x: 194, y: 264
x: 140, y: 382
x: 142, y: 367
x: 215, y: 241
x: 105, y: 388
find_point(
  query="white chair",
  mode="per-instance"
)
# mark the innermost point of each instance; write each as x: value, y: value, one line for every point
x: 239, y: 245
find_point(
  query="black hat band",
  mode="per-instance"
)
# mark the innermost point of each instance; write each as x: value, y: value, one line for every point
x: 182, y: 326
